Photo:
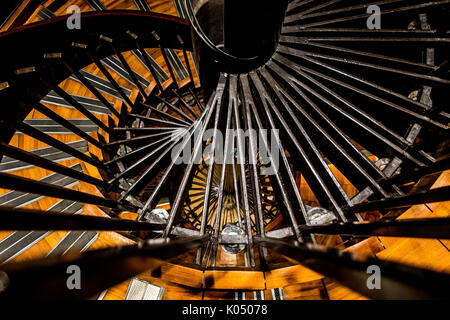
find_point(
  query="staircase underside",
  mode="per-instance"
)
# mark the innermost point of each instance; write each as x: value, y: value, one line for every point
x: 360, y: 122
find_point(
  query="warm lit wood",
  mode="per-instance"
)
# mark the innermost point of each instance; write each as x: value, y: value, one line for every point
x: 247, y: 280
x: 282, y: 277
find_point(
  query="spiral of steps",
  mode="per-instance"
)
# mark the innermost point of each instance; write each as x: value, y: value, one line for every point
x: 147, y: 148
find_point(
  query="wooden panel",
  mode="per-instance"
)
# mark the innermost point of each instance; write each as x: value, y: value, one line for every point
x: 441, y: 209
x: 290, y: 275
x: 37, y: 173
x: 337, y: 292
x: 369, y: 247
x: 347, y: 186
x: 117, y: 292
x: 181, y: 293
x: 16, y: 14
x: 425, y: 253
x: 309, y: 197
x: 4, y: 234
x: 244, y: 280
x: 313, y: 290
x: 41, y: 248
x: 218, y: 295
x: 129, y: 216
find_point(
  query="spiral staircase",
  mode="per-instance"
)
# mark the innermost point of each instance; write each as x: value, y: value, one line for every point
x: 97, y: 124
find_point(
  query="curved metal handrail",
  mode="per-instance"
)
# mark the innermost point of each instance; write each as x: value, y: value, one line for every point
x: 114, y: 24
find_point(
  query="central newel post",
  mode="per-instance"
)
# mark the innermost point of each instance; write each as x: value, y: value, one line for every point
x: 252, y: 27
x: 233, y: 36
